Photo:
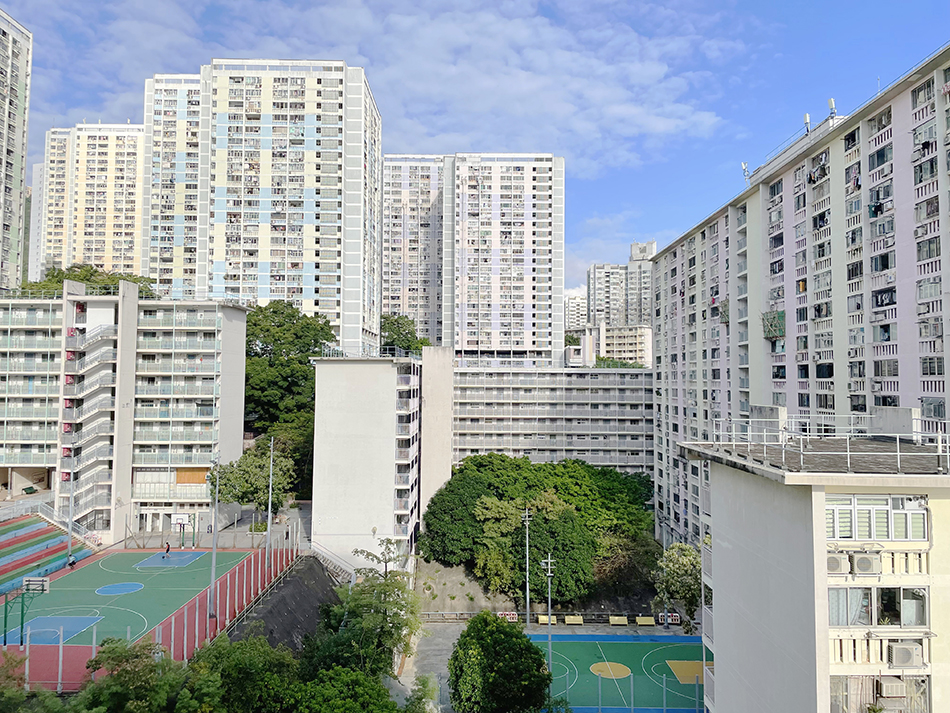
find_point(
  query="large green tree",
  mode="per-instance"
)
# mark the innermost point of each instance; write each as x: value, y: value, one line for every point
x: 341, y: 690
x: 581, y: 515
x: 247, y: 480
x: 678, y: 581
x: 494, y: 668
x: 89, y: 275
x: 400, y: 331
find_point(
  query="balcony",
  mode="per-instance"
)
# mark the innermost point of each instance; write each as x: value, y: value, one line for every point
x: 77, y: 390
x: 165, y: 413
x: 28, y: 458
x: 176, y: 389
x: 707, y: 620
x: 401, y: 530
x: 170, y: 491
x: 709, y: 683
x: 402, y: 504
x: 707, y: 561
x: 178, y: 367
x: 173, y: 458
x: 163, y: 435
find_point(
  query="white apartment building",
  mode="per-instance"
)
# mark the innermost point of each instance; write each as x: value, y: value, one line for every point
x: 170, y: 253
x: 413, y: 195
x: 825, y: 567
x: 16, y: 60
x: 818, y: 288
x: 92, y: 187
x: 381, y: 449
x: 602, y: 416
x: 126, y: 402
x: 37, y: 206
x: 474, y: 253
x: 290, y: 179
x: 620, y: 295
x: 575, y: 312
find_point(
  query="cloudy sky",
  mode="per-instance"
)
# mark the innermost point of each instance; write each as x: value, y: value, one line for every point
x: 654, y: 105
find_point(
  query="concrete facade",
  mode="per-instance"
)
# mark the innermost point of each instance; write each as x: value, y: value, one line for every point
x: 16, y: 61
x: 822, y: 587
x: 621, y: 295
x: 602, y: 416
x: 817, y: 289
x: 575, y: 312
x: 123, y: 401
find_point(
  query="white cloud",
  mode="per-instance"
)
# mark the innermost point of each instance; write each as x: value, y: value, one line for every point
x: 599, y: 82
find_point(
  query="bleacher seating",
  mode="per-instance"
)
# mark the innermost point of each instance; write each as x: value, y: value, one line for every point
x: 33, y: 547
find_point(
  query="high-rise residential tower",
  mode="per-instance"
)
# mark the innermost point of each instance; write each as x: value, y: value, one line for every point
x: 290, y: 179
x: 412, y: 241
x: 620, y: 294
x: 640, y: 282
x: 817, y: 289
x: 92, y: 188
x: 169, y: 250
x: 575, y: 312
x: 16, y: 58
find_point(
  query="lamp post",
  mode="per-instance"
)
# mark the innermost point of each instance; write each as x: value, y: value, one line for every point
x: 270, y: 498
x: 526, y: 519
x: 212, y: 614
x: 548, y: 565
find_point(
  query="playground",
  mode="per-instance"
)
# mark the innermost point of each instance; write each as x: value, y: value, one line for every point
x: 623, y: 673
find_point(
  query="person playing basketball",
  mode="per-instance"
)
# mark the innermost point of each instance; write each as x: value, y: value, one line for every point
x: 168, y: 548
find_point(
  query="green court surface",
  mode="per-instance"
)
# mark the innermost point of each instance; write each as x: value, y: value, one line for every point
x: 623, y: 660
x: 133, y: 596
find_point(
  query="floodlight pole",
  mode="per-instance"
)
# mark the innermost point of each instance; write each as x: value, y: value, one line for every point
x: 270, y: 498
x: 548, y: 565
x: 69, y: 539
x: 526, y: 518
x: 212, y: 614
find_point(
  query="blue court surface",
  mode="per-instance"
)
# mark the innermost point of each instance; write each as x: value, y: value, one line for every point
x: 172, y: 559
x: 45, y: 629
x: 119, y: 588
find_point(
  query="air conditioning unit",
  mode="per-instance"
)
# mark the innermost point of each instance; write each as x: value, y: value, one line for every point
x: 889, y: 241
x: 816, y: 357
x: 852, y: 353
x: 890, y: 277
x: 905, y: 655
x: 915, y: 156
x: 920, y: 232
x: 839, y: 564
x: 887, y: 170
x: 865, y: 563
x: 891, y: 687
x: 875, y: 388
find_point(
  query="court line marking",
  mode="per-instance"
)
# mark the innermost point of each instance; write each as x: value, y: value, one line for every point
x: 609, y: 668
x: 570, y: 684
x: 659, y: 680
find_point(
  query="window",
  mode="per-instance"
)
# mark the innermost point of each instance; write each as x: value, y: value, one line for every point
x: 803, y: 371
x: 888, y: 401
x: 875, y: 517
x: 925, y: 170
x: 851, y: 140
x: 923, y: 94
x: 800, y: 202
x: 855, y: 303
x: 891, y: 606
x: 855, y: 270
x: 933, y: 407
x: 778, y: 371
x: 931, y: 366
x: 777, y: 267
x: 825, y: 401
x: 928, y: 288
x: 859, y: 403
x: 775, y: 189
x: 853, y: 237
x: 880, y: 122
x: 884, y: 298
x: 927, y: 249
x: 885, y: 367
x: 822, y: 310
x: 804, y: 400
x: 883, y: 155
x: 883, y: 261
x: 801, y: 342
x: 825, y: 371
x: 856, y: 369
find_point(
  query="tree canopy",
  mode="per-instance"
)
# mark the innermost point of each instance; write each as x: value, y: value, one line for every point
x: 608, y: 363
x: 580, y: 514
x: 572, y: 340
x: 494, y: 668
x: 400, y: 331
x: 678, y: 580
x: 90, y: 275
x: 247, y: 480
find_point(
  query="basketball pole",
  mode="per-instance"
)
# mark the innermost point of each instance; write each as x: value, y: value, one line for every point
x: 548, y: 564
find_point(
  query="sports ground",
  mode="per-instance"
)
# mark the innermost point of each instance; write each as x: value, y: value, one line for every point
x: 631, y: 672
x: 120, y: 595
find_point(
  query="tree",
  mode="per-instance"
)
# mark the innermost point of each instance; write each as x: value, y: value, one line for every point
x: 423, y: 693
x: 572, y: 340
x: 140, y: 679
x: 374, y: 622
x: 678, y: 579
x: 246, y: 480
x: 608, y: 363
x: 341, y: 690
x: 90, y: 275
x: 581, y: 514
x: 400, y: 331
x: 255, y: 676
x: 494, y: 668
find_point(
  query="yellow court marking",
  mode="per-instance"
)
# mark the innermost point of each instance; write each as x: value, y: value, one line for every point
x: 686, y: 671
x: 610, y: 670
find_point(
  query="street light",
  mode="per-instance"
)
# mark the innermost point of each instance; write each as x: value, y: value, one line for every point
x: 270, y: 497
x: 212, y: 614
x: 526, y: 519
x: 548, y: 565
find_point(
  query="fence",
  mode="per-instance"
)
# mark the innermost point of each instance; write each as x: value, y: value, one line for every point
x: 62, y: 667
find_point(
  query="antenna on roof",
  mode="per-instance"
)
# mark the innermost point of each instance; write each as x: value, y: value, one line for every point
x: 831, y: 107
x: 807, y: 123
x: 746, y: 174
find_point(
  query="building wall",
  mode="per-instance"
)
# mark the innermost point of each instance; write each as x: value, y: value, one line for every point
x: 436, y: 459
x: 766, y: 595
x: 16, y: 59
x: 602, y: 416
x: 35, y: 260
x: 171, y: 255
x: 575, y: 312
x: 412, y: 241
x: 817, y: 288
x: 295, y: 189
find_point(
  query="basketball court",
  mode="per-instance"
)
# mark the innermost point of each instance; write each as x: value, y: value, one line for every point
x: 121, y: 595
x: 631, y: 672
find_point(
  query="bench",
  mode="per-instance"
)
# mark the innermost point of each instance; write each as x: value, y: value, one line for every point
x: 646, y: 621
x: 29, y: 490
x: 619, y: 621
x: 575, y: 620
x: 543, y: 619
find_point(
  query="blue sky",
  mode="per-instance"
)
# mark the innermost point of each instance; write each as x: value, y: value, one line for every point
x: 654, y: 105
